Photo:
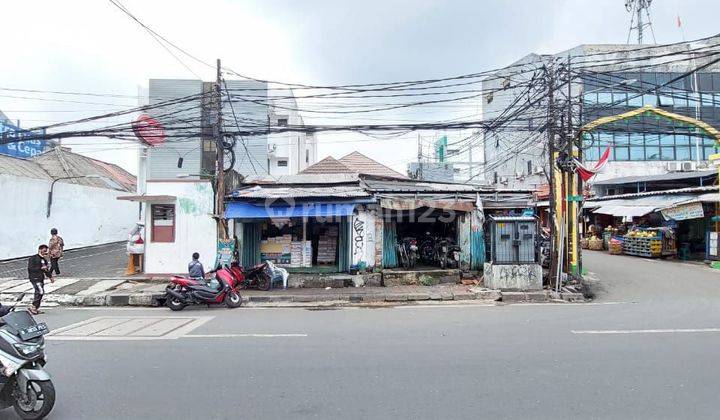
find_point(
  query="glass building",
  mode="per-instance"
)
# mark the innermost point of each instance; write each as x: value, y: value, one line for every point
x: 650, y: 137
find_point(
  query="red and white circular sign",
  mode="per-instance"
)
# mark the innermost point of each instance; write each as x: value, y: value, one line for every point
x: 149, y: 130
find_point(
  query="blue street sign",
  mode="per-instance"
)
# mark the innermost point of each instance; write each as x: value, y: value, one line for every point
x: 20, y: 148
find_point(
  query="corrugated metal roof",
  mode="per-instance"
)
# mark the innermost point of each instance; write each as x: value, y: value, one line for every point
x: 411, y: 186
x: 22, y: 167
x: 304, y: 179
x: 300, y: 192
x: 689, y: 190
x: 673, y: 176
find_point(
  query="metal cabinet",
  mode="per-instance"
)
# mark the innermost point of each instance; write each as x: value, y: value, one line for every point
x: 512, y: 240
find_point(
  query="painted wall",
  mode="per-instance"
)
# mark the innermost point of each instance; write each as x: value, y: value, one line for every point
x: 195, y: 229
x: 362, y: 243
x: 83, y: 215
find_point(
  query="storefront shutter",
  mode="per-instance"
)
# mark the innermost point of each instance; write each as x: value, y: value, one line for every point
x: 344, y: 245
x: 389, y: 242
x: 251, y: 244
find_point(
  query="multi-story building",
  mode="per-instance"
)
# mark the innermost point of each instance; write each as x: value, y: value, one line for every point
x: 175, y: 177
x: 450, y: 159
x: 516, y: 155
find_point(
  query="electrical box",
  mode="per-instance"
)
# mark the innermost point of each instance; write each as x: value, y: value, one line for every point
x: 512, y: 240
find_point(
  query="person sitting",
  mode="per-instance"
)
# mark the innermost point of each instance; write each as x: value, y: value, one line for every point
x: 195, y: 268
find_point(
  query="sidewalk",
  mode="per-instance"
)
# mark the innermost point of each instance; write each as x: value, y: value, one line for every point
x: 123, y: 292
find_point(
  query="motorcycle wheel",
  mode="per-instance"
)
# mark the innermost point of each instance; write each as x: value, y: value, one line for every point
x: 39, y: 401
x: 175, y: 304
x: 233, y: 300
x: 263, y: 282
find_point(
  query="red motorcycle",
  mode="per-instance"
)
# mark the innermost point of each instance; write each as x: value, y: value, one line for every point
x: 183, y: 291
x: 256, y: 277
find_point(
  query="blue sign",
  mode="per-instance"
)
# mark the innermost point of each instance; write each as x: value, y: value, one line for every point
x: 18, y: 147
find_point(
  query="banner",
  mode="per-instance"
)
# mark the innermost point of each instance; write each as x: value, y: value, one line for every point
x: 225, y: 251
x: 684, y: 212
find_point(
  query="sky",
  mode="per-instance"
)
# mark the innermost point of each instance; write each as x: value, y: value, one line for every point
x: 91, y: 46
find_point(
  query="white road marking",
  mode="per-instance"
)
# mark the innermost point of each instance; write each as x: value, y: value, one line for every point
x: 655, y: 331
x: 108, y: 328
x: 242, y: 335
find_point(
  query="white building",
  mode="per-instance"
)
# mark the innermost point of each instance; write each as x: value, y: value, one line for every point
x: 176, y: 177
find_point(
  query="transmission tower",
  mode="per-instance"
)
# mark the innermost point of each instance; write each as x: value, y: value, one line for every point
x: 639, y: 9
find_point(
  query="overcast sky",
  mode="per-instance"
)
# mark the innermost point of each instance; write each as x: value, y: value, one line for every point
x: 90, y: 46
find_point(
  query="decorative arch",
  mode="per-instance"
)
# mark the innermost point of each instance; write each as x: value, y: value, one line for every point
x: 707, y: 128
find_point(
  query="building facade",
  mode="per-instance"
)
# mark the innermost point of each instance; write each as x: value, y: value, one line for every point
x: 516, y: 155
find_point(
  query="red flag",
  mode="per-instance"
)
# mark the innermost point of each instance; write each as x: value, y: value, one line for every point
x: 679, y: 22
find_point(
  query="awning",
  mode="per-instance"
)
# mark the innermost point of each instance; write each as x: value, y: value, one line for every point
x: 148, y: 198
x: 239, y: 210
x: 625, y: 211
x: 412, y: 204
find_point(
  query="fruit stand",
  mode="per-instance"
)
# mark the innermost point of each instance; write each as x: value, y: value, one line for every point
x: 650, y: 243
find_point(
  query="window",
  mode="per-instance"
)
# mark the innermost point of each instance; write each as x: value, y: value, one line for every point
x: 282, y: 163
x: 307, y: 156
x: 529, y: 167
x: 667, y: 153
x: 682, y: 153
x: 709, y: 150
x: 637, y: 153
x: 622, y: 153
x: 282, y: 122
x: 635, y: 100
x: 163, y: 222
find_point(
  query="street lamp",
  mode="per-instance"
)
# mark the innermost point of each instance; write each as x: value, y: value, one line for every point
x: 52, y: 187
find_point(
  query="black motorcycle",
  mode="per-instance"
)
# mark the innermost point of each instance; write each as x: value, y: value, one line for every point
x: 408, y: 252
x: 24, y: 383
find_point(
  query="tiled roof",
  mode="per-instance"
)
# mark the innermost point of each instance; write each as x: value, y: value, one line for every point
x: 21, y: 167
x: 329, y: 165
x: 353, y: 163
x: 364, y: 165
x: 60, y: 162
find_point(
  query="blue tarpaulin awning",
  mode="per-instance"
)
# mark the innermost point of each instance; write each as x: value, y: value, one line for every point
x: 239, y: 210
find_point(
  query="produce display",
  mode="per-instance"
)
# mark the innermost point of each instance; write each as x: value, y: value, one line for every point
x: 649, y: 243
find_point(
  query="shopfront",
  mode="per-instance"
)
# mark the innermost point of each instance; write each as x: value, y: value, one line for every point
x: 308, y: 236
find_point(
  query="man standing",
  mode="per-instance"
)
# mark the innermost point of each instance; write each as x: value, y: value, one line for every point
x: 38, y: 269
x: 56, y: 245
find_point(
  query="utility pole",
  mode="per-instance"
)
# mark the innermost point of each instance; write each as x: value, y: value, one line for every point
x: 554, y: 242
x: 637, y: 7
x: 220, y: 158
x: 419, y: 157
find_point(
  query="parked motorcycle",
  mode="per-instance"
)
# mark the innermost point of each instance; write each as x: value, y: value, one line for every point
x: 183, y: 291
x: 257, y: 277
x: 407, y: 252
x: 24, y: 383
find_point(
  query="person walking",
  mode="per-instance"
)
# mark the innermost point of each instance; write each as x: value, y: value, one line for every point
x: 38, y: 269
x: 56, y: 246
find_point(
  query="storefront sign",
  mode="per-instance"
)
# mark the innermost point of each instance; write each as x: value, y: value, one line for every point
x: 684, y: 212
x: 225, y: 251
x: 149, y: 130
x: 20, y: 143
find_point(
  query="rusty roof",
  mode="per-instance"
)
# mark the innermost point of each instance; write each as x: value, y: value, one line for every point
x: 60, y: 162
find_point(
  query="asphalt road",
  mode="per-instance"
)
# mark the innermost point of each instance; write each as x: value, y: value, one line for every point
x: 647, y: 348
x: 108, y: 260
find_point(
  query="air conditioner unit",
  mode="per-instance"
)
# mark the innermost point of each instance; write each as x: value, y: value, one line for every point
x: 688, y: 166
x: 538, y: 170
x: 519, y: 174
x: 674, y: 166
x: 503, y: 180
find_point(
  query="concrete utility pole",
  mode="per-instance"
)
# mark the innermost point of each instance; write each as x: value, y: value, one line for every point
x: 552, y: 199
x: 220, y: 158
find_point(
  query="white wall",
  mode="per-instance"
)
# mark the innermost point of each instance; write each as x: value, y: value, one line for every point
x: 83, y: 215
x: 195, y: 229
x: 362, y: 243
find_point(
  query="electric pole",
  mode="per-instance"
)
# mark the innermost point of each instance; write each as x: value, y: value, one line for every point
x: 552, y: 199
x: 220, y: 157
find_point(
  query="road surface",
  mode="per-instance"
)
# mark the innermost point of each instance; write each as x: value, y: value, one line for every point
x: 107, y: 260
x: 646, y: 349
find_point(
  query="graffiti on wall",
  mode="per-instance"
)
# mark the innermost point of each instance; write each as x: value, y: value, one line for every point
x: 358, y: 236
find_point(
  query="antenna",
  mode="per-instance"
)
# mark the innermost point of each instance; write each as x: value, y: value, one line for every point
x: 637, y: 8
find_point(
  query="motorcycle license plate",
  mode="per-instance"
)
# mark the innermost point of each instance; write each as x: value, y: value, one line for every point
x: 33, y: 331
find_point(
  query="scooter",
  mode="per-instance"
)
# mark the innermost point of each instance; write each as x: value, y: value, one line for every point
x: 183, y: 291
x: 24, y: 383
